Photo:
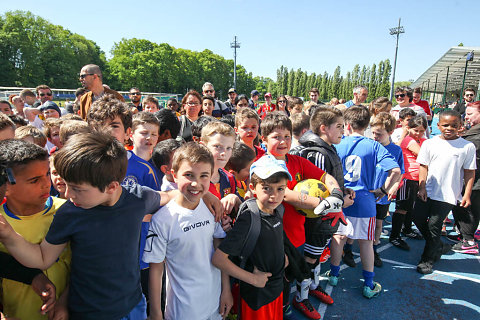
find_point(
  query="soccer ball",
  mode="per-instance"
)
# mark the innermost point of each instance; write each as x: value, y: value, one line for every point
x: 314, y: 188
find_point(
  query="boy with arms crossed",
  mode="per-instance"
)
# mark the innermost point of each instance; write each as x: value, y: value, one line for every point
x: 183, y: 233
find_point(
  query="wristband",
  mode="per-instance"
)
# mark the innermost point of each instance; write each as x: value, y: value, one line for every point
x: 383, y: 191
x: 337, y: 193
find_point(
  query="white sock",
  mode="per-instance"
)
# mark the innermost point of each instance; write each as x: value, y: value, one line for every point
x: 316, y: 277
x: 302, y: 294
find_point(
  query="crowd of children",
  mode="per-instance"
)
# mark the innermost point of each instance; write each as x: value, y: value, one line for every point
x: 127, y: 219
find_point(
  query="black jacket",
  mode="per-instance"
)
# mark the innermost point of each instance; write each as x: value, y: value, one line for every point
x: 473, y: 135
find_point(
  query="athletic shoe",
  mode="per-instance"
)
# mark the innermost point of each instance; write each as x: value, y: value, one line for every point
x: 325, y: 255
x: 321, y: 295
x: 425, y: 267
x: 413, y: 234
x: 444, y: 230
x: 306, y: 308
x: 348, y: 258
x: 332, y: 280
x: 477, y: 235
x: 465, y: 247
x: 377, y: 262
x: 372, y: 293
x: 385, y: 232
x: 455, y: 238
x: 400, y: 243
x: 288, y: 312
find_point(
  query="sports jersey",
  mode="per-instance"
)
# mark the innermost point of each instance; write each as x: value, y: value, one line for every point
x: 264, y: 109
x: 381, y: 175
x: 425, y: 106
x: 293, y: 222
x: 19, y: 300
x: 360, y: 158
x: 226, y: 185
x: 105, y: 274
x: 143, y: 173
x: 259, y: 152
x: 184, y: 239
x: 410, y: 159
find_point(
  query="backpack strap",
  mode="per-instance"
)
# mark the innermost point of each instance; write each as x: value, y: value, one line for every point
x: 253, y: 231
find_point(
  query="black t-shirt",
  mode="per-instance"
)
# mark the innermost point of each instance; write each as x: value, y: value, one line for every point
x: 268, y: 256
x: 105, y: 275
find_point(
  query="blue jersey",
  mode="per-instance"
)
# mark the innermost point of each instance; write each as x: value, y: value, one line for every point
x: 143, y: 173
x: 360, y: 158
x: 381, y: 174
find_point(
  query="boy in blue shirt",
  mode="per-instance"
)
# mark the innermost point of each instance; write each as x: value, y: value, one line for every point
x: 102, y: 222
x: 360, y: 158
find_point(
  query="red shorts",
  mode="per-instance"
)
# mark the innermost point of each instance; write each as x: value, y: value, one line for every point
x: 271, y: 311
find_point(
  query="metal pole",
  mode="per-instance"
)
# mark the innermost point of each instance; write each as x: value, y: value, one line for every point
x: 428, y: 87
x: 464, y: 75
x: 445, y: 90
x: 435, y: 90
x: 235, y: 45
x: 395, y: 31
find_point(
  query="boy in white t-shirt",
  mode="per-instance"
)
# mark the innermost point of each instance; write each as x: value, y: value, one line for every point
x: 446, y: 162
x: 183, y: 233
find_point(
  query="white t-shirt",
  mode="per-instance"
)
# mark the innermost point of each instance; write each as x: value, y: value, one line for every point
x: 184, y: 238
x: 446, y: 160
x: 167, y: 185
x: 397, y: 134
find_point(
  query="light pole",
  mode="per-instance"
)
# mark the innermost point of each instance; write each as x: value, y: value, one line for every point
x: 395, y: 31
x: 235, y: 45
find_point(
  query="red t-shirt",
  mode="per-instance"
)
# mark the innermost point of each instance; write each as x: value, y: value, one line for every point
x: 259, y: 152
x: 264, y: 109
x: 293, y: 222
x: 410, y: 160
x: 424, y: 104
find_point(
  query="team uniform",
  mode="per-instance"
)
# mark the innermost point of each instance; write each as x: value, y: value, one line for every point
x: 19, y: 300
x: 268, y: 256
x: 360, y: 157
x: 446, y: 161
x: 105, y: 274
x: 183, y: 238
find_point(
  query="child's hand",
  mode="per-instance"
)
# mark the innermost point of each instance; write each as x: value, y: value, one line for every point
x: 46, y: 290
x: 260, y: 278
x: 229, y: 202
x: 248, y: 195
x: 286, y: 261
x: 5, y: 229
x: 226, y: 223
x: 347, y: 200
x: 422, y: 194
x: 226, y: 302
x: 60, y: 313
x: 214, y: 205
x: 465, y: 201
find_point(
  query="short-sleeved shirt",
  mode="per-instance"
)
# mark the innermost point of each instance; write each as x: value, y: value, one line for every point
x: 360, y: 158
x: 293, y: 222
x: 184, y: 238
x: 268, y: 256
x: 410, y: 159
x: 425, y: 106
x: 381, y: 175
x: 19, y: 300
x: 105, y: 275
x: 446, y: 160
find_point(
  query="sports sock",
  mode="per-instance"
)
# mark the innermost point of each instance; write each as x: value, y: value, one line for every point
x: 334, y: 270
x: 368, y: 276
x: 302, y: 289
x: 347, y: 247
x: 314, y: 274
x: 397, y: 223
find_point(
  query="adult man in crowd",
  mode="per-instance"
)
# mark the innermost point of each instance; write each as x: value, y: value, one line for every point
x: 468, y: 96
x: 92, y: 79
x: 267, y: 107
x: 44, y: 93
x: 232, y: 94
x: 136, y: 96
x: 253, y: 101
x: 314, y: 94
x: 467, y: 219
x: 219, y: 109
x: 417, y: 99
x: 28, y: 97
x: 360, y: 94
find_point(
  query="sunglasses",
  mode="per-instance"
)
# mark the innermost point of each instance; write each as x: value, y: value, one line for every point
x: 45, y: 94
x: 83, y: 76
x: 469, y: 95
x: 209, y: 91
x: 400, y: 95
x: 135, y: 94
x: 281, y: 101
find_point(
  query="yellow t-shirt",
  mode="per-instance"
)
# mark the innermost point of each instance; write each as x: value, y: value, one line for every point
x: 19, y: 300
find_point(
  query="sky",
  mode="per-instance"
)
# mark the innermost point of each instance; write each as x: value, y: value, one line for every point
x: 315, y: 36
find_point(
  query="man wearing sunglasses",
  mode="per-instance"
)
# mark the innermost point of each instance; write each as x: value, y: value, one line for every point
x: 219, y: 109
x: 468, y: 96
x: 44, y: 93
x: 91, y: 78
x: 136, y: 97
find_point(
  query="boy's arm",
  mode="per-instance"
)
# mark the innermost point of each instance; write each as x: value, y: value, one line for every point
x: 226, y: 298
x: 468, y: 178
x: 257, y: 278
x: 155, y: 290
x: 422, y: 179
x: 31, y: 255
x: 61, y: 307
x: 212, y: 202
x: 30, y: 113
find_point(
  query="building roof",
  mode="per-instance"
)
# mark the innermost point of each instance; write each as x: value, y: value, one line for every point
x: 454, y: 60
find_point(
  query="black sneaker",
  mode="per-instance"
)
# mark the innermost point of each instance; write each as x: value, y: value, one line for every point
x: 377, y: 262
x: 425, y: 267
x: 400, y: 243
x: 348, y: 258
x: 413, y: 234
x: 455, y: 238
